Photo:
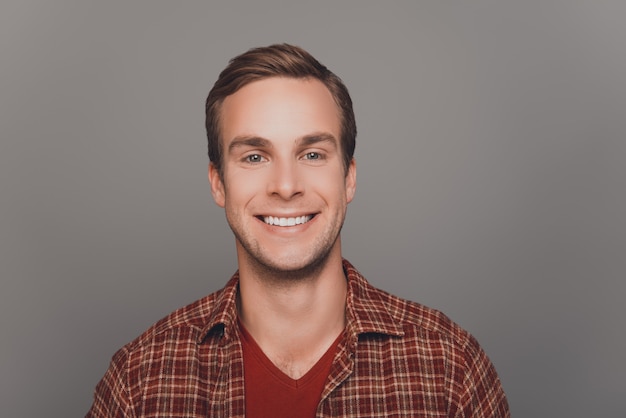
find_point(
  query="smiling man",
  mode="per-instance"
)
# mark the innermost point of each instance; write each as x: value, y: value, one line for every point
x: 297, y: 331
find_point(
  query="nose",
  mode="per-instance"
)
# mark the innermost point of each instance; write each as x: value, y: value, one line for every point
x: 285, y: 181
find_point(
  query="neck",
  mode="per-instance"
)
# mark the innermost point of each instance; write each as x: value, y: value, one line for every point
x: 294, y: 319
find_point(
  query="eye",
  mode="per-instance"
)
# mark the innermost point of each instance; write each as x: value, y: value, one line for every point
x: 312, y: 156
x: 253, y: 158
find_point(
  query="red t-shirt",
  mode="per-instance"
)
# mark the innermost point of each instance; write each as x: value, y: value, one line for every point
x: 273, y: 394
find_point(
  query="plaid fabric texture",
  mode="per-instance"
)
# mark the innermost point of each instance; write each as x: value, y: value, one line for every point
x: 398, y: 359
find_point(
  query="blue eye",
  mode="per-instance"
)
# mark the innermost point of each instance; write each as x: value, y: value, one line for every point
x: 254, y: 158
x: 312, y: 156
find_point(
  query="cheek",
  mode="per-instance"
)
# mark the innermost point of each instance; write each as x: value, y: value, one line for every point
x: 243, y: 187
x: 332, y: 187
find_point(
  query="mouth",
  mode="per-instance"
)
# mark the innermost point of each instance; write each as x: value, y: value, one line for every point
x: 278, y: 221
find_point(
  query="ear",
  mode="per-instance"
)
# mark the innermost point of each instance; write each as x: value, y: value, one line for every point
x: 217, y: 186
x: 351, y: 181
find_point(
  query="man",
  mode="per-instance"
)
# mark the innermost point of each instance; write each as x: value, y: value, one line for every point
x: 297, y: 331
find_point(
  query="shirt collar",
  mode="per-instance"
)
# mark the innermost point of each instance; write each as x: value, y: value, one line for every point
x: 365, y: 310
x: 223, y: 317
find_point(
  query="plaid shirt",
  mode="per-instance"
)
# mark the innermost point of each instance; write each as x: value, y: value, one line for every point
x: 398, y: 359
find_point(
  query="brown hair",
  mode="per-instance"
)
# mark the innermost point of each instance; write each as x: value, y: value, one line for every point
x: 281, y: 60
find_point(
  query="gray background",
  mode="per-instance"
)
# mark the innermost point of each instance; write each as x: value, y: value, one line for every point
x: 491, y: 149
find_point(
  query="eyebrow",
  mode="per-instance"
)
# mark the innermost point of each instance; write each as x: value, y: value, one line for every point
x: 249, y: 141
x: 259, y: 142
x: 316, y: 138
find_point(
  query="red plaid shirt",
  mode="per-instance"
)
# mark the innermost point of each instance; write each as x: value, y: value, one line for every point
x: 398, y: 359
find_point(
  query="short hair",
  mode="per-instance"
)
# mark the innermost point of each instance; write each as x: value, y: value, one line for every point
x: 279, y: 60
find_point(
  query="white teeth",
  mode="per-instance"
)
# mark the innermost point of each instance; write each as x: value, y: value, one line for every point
x: 274, y: 220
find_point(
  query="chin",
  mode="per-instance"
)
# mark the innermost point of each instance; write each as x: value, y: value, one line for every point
x: 292, y: 267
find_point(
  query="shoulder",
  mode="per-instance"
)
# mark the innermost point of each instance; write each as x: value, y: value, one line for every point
x: 416, y: 318
x: 432, y: 345
x: 427, y: 345
x: 189, y: 319
x: 186, y: 326
x: 409, y: 325
x: 378, y: 311
x: 169, y: 350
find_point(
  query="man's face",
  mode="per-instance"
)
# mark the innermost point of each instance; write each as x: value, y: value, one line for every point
x: 284, y: 188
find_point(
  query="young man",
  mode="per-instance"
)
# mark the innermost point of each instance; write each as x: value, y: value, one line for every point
x: 297, y: 331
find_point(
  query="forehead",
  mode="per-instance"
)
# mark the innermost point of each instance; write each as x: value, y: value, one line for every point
x: 280, y: 108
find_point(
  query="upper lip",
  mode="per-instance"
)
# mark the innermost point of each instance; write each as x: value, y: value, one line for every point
x: 289, y: 215
x: 286, y: 220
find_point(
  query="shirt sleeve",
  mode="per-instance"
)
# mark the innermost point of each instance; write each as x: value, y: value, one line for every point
x: 111, y: 397
x: 482, y: 396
